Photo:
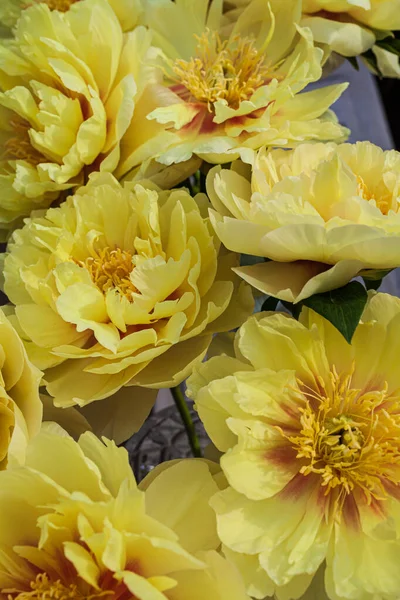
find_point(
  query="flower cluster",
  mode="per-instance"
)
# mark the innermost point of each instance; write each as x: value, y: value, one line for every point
x: 179, y: 204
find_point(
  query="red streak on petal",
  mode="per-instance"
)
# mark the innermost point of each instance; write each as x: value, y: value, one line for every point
x: 241, y: 119
x: 351, y: 513
x: 392, y: 489
x: 378, y: 508
x: 282, y: 456
x: 181, y: 91
x: 293, y: 413
x: 202, y: 123
x: 298, y: 487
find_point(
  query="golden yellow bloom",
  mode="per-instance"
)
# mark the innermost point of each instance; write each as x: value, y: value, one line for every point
x: 121, y: 286
x: 71, y: 104
x: 74, y: 525
x: 127, y: 11
x: 309, y: 427
x: 322, y: 213
x: 20, y: 406
x: 232, y: 88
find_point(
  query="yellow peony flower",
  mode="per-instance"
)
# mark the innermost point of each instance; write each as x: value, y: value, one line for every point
x: 127, y: 11
x: 309, y: 427
x: 230, y: 89
x: 73, y: 524
x: 20, y: 405
x: 75, y: 95
x: 322, y: 213
x: 121, y: 286
x: 350, y: 27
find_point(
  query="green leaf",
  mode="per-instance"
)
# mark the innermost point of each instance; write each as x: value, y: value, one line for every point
x: 354, y: 62
x: 270, y: 303
x: 342, y: 307
x: 371, y: 60
x: 391, y: 44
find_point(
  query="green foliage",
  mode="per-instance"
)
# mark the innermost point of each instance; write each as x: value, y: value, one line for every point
x: 391, y: 44
x: 354, y: 62
x: 370, y: 58
x: 342, y: 307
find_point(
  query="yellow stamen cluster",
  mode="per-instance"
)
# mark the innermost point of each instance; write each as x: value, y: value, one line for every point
x: 60, y: 5
x: 111, y: 268
x: 44, y: 589
x: 350, y: 437
x: 19, y: 147
x: 222, y: 70
x: 382, y: 202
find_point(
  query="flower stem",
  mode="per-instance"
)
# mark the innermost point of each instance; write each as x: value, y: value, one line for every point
x: 187, y: 420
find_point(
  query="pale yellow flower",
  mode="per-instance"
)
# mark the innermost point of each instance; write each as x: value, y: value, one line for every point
x: 377, y: 14
x: 121, y: 286
x: 350, y: 27
x: 74, y: 524
x: 20, y: 406
x: 128, y: 11
x: 322, y: 213
x: 75, y: 94
x: 309, y: 427
x: 230, y: 89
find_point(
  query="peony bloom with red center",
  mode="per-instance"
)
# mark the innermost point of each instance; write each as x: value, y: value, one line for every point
x: 347, y: 27
x: 309, y: 427
x: 74, y: 93
x: 231, y: 87
x: 75, y: 526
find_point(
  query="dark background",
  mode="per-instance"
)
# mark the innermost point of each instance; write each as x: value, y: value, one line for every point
x: 390, y: 93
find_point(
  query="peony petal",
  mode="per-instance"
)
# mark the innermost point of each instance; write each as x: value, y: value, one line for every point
x: 179, y: 492
x: 249, y: 467
x: 174, y: 366
x: 121, y: 415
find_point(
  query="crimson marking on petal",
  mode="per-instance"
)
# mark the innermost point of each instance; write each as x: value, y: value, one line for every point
x: 299, y: 486
x: 351, y: 513
x: 282, y: 456
x: 392, y: 489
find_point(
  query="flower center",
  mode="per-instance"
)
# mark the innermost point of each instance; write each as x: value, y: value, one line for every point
x: 19, y: 147
x: 350, y: 437
x: 222, y: 70
x: 111, y: 268
x: 383, y: 202
x: 341, y: 440
x: 61, y: 5
x: 44, y: 589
